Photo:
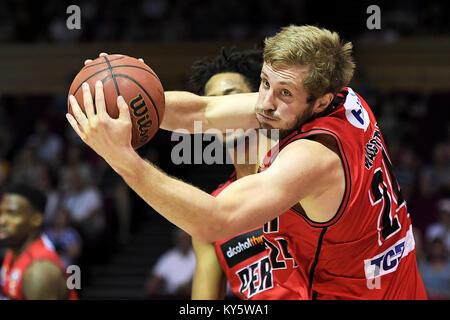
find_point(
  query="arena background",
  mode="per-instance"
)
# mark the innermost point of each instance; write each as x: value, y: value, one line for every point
x: 403, y: 71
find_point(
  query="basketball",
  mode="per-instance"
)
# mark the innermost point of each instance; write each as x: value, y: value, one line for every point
x: 136, y: 82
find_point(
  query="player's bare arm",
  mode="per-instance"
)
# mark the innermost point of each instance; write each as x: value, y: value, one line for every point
x: 219, y: 112
x: 305, y: 171
x: 44, y: 280
x: 209, y: 281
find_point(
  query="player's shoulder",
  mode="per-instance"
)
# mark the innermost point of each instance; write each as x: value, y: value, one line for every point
x: 306, y: 159
x: 305, y: 150
x: 42, y: 247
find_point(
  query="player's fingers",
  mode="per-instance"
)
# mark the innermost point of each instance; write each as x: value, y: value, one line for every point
x: 141, y: 60
x: 75, y: 126
x: 100, y: 99
x: 78, y: 114
x: 102, y: 54
x: 124, y: 112
x: 87, y: 101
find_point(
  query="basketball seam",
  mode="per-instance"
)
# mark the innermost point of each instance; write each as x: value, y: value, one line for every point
x: 96, y: 64
x: 148, y: 95
x: 113, y: 75
x: 132, y: 66
x: 92, y: 75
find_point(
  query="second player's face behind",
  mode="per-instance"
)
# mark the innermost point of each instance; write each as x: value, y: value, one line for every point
x: 283, y: 102
x: 18, y: 219
x: 226, y: 83
x: 222, y: 84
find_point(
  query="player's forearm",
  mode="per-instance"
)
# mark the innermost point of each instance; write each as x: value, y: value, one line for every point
x: 209, y: 280
x: 221, y: 112
x: 207, y: 286
x: 182, y: 109
x: 191, y: 209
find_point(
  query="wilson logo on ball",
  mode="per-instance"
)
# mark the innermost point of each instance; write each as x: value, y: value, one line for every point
x: 140, y: 111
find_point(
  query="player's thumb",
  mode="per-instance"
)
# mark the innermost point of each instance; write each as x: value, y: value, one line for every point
x: 124, y: 112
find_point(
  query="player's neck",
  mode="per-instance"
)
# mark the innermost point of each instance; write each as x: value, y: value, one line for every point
x: 19, y: 249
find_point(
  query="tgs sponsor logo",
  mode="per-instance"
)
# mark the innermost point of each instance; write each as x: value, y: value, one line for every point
x: 387, y: 261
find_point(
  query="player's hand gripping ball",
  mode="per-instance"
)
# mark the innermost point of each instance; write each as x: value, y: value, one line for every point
x: 132, y: 79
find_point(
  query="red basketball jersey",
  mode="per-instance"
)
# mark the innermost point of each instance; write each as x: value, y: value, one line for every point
x: 12, y: 275
x: 247, y: 260
x: 367, y: 250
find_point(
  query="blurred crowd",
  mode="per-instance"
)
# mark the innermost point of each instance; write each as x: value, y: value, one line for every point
x: 90, y: 208
x: 181, y: 20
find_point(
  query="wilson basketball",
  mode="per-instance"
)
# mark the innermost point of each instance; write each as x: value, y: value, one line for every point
x: 136, y: 82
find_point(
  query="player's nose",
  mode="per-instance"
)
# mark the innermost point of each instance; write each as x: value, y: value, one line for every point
x: 268, y: 103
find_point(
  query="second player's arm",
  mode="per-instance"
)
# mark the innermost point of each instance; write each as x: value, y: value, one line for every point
x: 182, y: 108
x: 209, y: 282
x: 221, y: 113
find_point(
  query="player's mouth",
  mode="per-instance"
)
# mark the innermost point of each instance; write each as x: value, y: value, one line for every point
x: 264, y: 118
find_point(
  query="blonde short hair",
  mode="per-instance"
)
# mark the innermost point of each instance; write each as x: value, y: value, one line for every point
x: 330, y: 60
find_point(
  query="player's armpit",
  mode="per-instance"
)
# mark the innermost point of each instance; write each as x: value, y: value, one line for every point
x: 209, y: 282
x: 221, y: 112
x: 44, y: 280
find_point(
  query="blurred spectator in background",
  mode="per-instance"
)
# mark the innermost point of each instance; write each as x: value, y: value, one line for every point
x: 48, y: 184
x: 75, y: 160
x: 84, y: 204
x: 150, y: 20
x: 66, y: 239
x: 4, y: 169
x: 172, y: 274
x: 6, y: 142
x: 420, y: 250
x: 46, y: 145
x: 422, y: 205
x: 438, y: 173
x: 441, y: 228
x: 406, y: 169
x: 25, y: 167
x: 435, y: 271
x: 117, y: 198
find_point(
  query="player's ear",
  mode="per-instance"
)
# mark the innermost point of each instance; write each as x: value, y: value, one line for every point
x: 36, y: 219
x: 322, y: 102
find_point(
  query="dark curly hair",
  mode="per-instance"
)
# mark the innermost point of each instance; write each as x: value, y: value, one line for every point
x: 247, y: 63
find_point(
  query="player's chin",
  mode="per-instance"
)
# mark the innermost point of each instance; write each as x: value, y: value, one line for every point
x: 265, y: 125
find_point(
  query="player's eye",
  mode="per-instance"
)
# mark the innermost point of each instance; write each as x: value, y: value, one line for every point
x: 265, y: 83
x: 286, y: 93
